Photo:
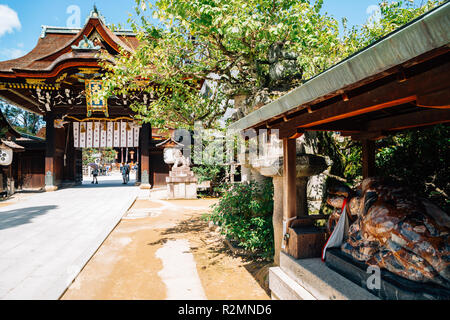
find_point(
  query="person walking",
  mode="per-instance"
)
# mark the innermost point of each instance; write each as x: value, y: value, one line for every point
x: 94, y: 176
x: 123, y: 170
x: 128, y: 172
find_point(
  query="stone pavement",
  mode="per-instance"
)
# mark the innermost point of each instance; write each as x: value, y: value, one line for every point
x: 47, y: 238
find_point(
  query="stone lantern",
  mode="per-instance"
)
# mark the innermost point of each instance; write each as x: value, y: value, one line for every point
x: 272, y: 166
x: 181, y: 182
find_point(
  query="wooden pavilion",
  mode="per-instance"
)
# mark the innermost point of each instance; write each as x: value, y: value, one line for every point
x: 58, y: 80
x: 399, y: 82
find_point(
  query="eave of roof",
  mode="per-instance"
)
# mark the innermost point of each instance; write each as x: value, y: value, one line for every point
x: 12, y: 145
x: 56, y: 42
x: 426, y: 33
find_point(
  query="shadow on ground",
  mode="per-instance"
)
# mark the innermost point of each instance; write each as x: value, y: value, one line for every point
x: 104, y: 184
x: 257, y: 267
x: 16, y: 217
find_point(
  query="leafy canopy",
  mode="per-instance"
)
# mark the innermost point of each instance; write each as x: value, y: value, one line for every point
x: 226, y: 41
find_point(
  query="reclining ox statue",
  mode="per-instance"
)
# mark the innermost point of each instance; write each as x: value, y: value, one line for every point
x: 395, y: 230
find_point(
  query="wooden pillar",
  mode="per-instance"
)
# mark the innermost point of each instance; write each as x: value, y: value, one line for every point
x: 368, y: 158
x: 50, y: 152
x: 145, y: 134
x: 138, y: 173
x: 289, y: 185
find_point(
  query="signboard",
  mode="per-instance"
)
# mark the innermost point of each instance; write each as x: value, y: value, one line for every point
x: 94, y: 101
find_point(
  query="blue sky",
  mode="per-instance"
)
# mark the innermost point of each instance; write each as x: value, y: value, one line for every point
x: 21, y: 20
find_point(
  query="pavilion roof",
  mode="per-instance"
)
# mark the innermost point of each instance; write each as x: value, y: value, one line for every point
x: 423, y: 39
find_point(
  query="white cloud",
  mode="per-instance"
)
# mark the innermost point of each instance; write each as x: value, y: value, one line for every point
x: 374, y: 12
x: 11, y: 53
x: 9, y: 20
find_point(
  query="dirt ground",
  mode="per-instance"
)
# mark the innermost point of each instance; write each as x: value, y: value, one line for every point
x: 127, y: 266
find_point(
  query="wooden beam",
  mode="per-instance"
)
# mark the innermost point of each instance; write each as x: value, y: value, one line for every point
x: 410, y: 120
x: 369, y: 135
x: 386, y: 96
x: 438, y: 100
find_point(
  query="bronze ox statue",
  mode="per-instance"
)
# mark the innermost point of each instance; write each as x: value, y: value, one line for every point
x: 395, y: 230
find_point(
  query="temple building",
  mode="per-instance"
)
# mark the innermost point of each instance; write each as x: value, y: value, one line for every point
x: 399, y: 82
x: 58, y: 79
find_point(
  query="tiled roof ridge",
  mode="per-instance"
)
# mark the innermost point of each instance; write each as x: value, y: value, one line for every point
x: 68, y: 30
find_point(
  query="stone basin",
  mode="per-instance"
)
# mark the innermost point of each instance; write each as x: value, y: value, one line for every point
x: 307, y: 165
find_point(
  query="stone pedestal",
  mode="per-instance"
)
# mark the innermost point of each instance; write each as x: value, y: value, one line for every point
x: 273, y: 168
x: 307, y: 165
x: 246, y: 173
x: 181, y: 184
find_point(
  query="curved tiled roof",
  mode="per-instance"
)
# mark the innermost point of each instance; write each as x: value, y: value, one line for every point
x: 55, y: 43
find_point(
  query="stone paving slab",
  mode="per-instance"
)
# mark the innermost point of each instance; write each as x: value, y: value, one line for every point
x: 47, y: 238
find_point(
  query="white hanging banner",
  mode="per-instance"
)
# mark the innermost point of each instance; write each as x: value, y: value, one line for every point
x: 109, y: 138
x: 103, y: 131
x: 136, y: 137
x: 105, y: 135
x: 123, y: 134
x: 89, y: 133
x: 83, y: 135
x: 76, y: 134
x: 96, y: 143
x: 116, y: 134
x: 130, y: 137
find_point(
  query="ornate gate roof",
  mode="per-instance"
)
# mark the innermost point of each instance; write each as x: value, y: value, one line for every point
x: 52, y: 76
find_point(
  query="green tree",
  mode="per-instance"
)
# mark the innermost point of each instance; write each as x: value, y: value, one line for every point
x: 107, y: 155
x: 428, y: 175
x: 22, y: 120
x: 231, y: 43
x: 394, y: 15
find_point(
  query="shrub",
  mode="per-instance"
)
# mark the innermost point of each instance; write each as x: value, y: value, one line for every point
x: 244, y: 214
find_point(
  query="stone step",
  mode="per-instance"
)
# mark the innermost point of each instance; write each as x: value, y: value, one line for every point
x: 283, y: 287
x: 320, y: 281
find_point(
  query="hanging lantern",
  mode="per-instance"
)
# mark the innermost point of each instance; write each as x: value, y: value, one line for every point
x: 83, y: 129
x: 116, y: 126
x: 128, y: 126
x: 6, y: 156
x: 105, y: 126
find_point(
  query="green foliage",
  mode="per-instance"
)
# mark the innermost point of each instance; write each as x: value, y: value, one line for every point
x: 345, y: 154
x: 394, y: 15
x: 421, y: 160
x: 394, y: 157
x: 244, y: 214
x: 213, y: 173
x: 21, y: 120
x: 107, y: 155
x: 231, y: 39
